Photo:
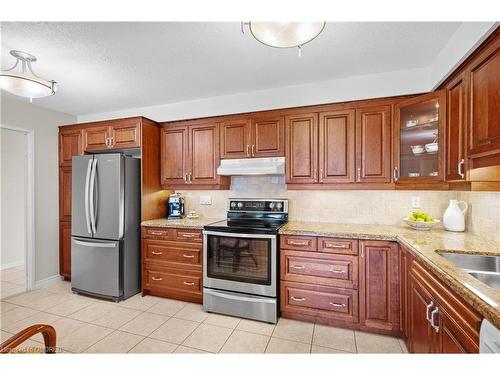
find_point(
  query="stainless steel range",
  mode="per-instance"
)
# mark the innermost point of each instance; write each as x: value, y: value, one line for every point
x: 240, y: 259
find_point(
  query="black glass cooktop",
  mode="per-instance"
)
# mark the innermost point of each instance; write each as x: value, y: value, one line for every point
x: 246, y: 226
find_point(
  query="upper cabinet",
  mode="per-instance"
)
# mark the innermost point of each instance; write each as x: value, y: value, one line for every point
x: 190, y: 156
x: 260, y: 136
x: 70, y: 144
x: 484, y: 117
x: 418, y: 142
x: 302, y: 149
x: 114, y: 134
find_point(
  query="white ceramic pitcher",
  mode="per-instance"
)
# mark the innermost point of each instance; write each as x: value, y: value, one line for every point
x: 454, y: 216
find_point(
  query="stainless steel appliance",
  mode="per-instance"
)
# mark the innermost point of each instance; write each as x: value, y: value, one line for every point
x: 105, y: 225
x: 175, y: 206
x: 240, y: 259
x: 489, y: 338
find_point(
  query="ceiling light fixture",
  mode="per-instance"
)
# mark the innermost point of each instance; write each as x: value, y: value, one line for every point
x: 22, y: 81
x: 284, y: 34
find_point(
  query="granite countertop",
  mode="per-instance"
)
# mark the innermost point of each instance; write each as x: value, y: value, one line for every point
x: 182, y: 223
x: 425, y: 246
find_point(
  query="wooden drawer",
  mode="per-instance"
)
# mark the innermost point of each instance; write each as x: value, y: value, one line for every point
x: 158, y: 233
x: 159, y: 278
x: 155, y: 250
x: 337, y: 245
x: 189, y: 235
x: 321, y: 302
x: 302, y: 243
x: 320, y: 269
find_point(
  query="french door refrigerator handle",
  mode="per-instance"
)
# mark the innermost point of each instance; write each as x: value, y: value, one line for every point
x: 93, y: 205
x: 87, y: 180
x: 95, y: 244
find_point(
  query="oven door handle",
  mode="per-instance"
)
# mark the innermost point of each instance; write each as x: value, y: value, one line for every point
x: 238, y: 235
x: 237, y: 298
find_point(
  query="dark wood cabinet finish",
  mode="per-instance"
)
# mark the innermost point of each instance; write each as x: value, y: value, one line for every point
x: 373, y: 144
x: 112, y: 134
x: 268, y: 136
x: 302, y: 148
x: 379, y: 285
x: 301, y: 243
x: 337, y: 245
x: 484, y: 117
x: 456, y: 111
x: 65, y: 176
x: 235, y: 140
x: 126, y: 134
x: 404, y: 261
x: 65, y: 249
x: 174, y: 155
x: 96, y: 138
x: 203, y: 154
x: 337, y: 159
x: 70, y: 144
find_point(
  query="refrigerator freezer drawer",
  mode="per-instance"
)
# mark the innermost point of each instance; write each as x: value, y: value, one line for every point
x: 95, y: 267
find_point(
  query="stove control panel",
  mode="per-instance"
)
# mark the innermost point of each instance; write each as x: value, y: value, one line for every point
x: 253, y: 205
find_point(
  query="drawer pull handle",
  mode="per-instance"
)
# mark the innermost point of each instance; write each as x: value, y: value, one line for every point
x: 337, y: 271
x: 298, y: 243
x: 336, y: 246
x: 187, y: 235
x: 298, y: 267
x: 297, y: 299
x: 188, y: 283
x: 157, y: 252
x: 187, y: 256
x: 157, y: 278
x: 337, y: 304
x: 158, y: 233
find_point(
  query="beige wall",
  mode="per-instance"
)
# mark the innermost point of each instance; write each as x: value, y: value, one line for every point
x: 381, y: 207
x: 13, y: 154
x: 44, y: 122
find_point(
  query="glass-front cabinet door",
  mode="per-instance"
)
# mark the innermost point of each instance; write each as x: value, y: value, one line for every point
x: 419, y: 139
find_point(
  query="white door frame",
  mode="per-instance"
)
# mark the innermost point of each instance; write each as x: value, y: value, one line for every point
x: 29, y: 204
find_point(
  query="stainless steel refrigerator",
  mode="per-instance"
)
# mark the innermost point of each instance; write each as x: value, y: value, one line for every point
x: 105, y: 225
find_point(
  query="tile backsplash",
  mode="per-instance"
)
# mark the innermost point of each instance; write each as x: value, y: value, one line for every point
x: 352, y: 206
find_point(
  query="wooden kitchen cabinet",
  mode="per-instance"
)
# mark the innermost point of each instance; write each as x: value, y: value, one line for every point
x: 373, y: 144
x: 456, y: 120
x: 70, y: 144
x: 190, y: 156
x: 96, y: 138
x: 259, y: 136
x: 379, y: 285
x: 337, y: 154
x: 65, y: 249
x: 301, y: 149
x: 483, y: 76
x: 113, y: 134
x: 65, y: 177
x: 420, y: 121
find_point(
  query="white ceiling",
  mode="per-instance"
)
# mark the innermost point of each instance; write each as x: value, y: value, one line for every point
x: 108, y: 66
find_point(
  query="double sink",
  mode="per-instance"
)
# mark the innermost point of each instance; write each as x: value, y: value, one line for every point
x: 485, y: 268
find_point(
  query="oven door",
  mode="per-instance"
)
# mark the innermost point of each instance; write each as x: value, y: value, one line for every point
x: 245, y: 263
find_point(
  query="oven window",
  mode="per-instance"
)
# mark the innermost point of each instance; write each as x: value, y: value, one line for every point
x: 246, y: 260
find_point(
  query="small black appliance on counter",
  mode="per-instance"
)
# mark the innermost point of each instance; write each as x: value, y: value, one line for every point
x: 175, y: 207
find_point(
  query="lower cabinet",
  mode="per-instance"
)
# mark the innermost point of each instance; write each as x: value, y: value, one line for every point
x: 439, y: 321
x: 65, y: 249
x: 172, y: 263
x: 341, y: 282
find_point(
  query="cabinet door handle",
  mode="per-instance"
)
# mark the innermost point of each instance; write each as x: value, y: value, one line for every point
x: 460, y: 165
x: 427, y: 311
x: 157, y: 233
x: 248, y: 151
x: 188, y: 235
x: 337, y: 271
x: 297, y: 299
x: 362, y: 252
x: 187, y: 256
x: 395, y: 174
x: 157, y: 252
x: 190, y: 178
x: 186, y: 178
x: 298, y: 267
x: 336, y: 246
x: 253, y: 151
x: 157, y: 278
x: 433, y: 316
x: 111, y: 142
x: 188, y: 283
x: 338, y: 304
x: 298, y: 243
x: 359, y: 174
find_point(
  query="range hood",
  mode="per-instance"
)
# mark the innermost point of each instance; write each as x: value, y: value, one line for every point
x: 253, y: 166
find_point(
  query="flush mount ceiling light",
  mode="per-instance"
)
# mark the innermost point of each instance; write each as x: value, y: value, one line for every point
x: 22, y: 81
x: 285, y: 34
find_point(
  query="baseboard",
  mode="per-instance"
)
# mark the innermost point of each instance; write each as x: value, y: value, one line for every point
x: 12, y: 265
x: 44, y: 283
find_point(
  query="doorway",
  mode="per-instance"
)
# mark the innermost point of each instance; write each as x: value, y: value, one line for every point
x: 16, y: 252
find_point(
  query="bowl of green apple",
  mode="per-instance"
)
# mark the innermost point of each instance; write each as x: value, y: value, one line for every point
x: 419, y: 220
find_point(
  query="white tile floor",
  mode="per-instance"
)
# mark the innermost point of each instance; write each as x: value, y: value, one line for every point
x: 12, y: 281
x: 157, y: 325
